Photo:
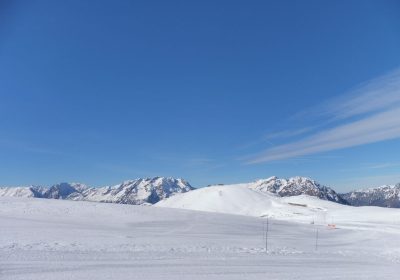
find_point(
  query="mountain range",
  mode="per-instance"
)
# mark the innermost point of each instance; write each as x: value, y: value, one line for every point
x: 384, y: 196
x: 139, y: 191
x: 152, y: 190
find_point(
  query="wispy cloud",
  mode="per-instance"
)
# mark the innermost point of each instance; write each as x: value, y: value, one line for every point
x: 377, y: 95
x: 368, y: 114
x: 384, y: 165
x: 288, y: 133
x: 271, y: 137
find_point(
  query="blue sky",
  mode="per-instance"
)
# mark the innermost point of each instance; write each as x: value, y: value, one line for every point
x: 211, y: 91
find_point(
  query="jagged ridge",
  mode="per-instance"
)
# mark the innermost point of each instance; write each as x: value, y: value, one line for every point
x: 139, y: 191
x: 383, y: 196
x: 152, y: 190
x: 296, y: 186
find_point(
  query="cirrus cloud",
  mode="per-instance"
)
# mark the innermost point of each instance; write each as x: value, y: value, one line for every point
x: 368, y: 114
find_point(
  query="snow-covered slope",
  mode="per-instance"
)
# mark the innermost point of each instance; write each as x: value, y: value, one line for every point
x: 242, y: 200
x: 224, y: 199
x: 384, y: 196
x: 296, y: 186
x: 61, y: 239
x: 139, y: 191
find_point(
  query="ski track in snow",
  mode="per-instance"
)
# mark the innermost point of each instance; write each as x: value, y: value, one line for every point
x: 55, y: 239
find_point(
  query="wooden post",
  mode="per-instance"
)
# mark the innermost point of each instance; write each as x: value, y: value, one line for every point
x: 266, y: 236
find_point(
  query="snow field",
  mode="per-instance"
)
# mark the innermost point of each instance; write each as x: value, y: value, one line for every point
x: 55, y: 239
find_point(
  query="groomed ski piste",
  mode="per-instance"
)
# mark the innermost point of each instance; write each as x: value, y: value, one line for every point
x: 217, y: 232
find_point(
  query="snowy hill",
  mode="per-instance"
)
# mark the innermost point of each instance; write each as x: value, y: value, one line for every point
x: 384, y: 196
x: 224, y: 199
x: 242, y: 200
x: 139, y: 191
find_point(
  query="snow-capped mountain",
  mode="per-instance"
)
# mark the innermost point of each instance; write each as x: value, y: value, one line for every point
x: 63, y: 190
x: 58, y: 191
x: 19, y: 192
x: 152, y: 190
x: 384, y: 196
x: 139, y: 191
x: 296, y: 186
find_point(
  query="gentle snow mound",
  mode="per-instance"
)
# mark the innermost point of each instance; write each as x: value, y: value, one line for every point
x: 223, y: 199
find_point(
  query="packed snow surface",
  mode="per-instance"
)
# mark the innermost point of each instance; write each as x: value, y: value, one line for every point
x: 61, y: 239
